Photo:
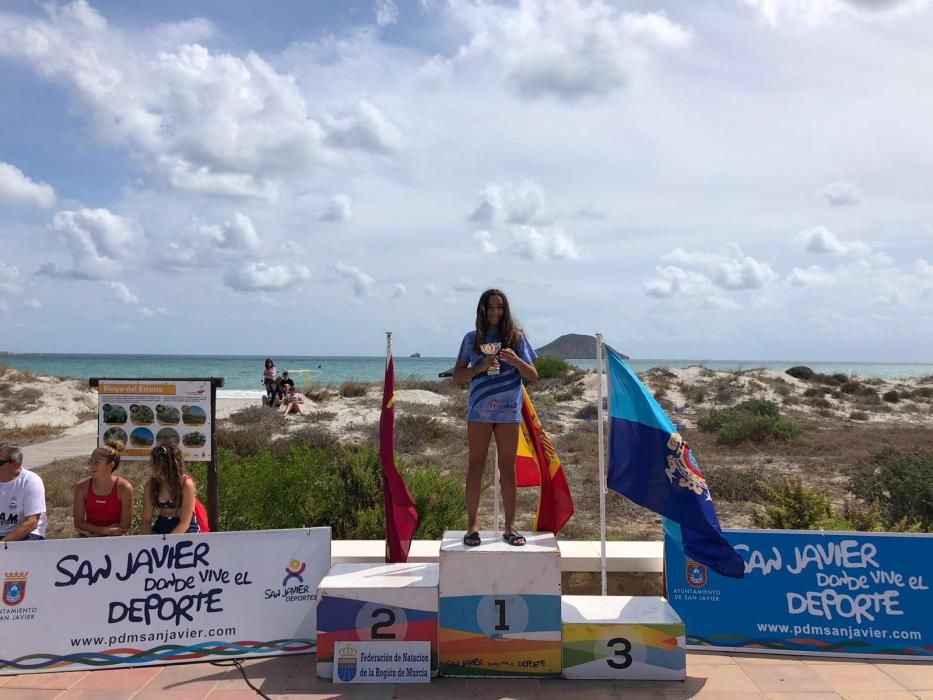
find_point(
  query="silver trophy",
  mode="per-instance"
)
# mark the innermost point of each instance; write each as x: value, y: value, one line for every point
x: 491, y: 349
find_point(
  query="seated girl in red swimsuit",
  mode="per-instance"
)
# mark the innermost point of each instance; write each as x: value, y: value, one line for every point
x: 103, y: 502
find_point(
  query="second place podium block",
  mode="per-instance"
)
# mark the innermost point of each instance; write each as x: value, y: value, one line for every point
x: 376, y: 602
x: 499, y: 611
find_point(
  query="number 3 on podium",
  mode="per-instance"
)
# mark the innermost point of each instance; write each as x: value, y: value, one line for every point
x: 620, y: 648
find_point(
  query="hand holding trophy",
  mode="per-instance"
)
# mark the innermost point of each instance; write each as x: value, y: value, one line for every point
x: 491, y: 350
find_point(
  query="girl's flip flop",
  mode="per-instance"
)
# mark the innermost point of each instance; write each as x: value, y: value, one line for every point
x: 472, y: 539
x: 513, y: 538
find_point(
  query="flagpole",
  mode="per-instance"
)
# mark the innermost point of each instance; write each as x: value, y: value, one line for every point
x: 495, y: 492
x: 602, y: 460
x: 388, y: 346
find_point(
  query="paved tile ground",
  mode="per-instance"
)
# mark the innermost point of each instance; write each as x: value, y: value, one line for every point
x: 293, y: 678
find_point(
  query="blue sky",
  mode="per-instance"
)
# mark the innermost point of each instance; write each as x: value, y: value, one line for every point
x: 720, y: 179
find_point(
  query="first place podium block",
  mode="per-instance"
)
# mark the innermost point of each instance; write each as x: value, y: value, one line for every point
x: 376, y: 602
x: 500, y: 607
x: 623, y: 638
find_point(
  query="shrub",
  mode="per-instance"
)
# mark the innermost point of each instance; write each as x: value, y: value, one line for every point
x: 321, y: 416
x: 304, y: 486
x: 800, y: 372
x: 792, y: 505
x: 352, y: 389
x: 736, y: 484
x: 820, y: 403
x: 588, y: 412
x: 924, y: 392
x: 891, y: 396
x: 255, y: 415
x: 319, y: 393
x: 549, y: 367
x: 849, y: 387
x: 754, y: 420
x: 413, y: 433
x: 570, y: 393
x: 693, y: 393
x: 816, y: 391
x: 858, y: 415
x: 900, y: 483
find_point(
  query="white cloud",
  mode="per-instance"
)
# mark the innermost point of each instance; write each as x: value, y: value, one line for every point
x: 464, y: 284
x: 9, y: 279
x: 152, y: 312
x: 99, y: 242
x: 32, y: 304
x: 16, y: 188
x: 361, y: 281
x: 362, y: 126
x: 743, y: 273
x: 290, y: 247
x: 522, y: 202
x: 811, y: 13
x: 399, y: 290
x: 122, y: 292
x: 821, y: 240
x: 339, y: 209
x: 258, y: 277
x: 840, y: 194
x: 923, y: 268
x: 486, y: 246
x: 171, y: 35
x: 529, y: 243
x: 430, y: 289
x: 239, y: 234
x: 729, y: 268
x: 205, y: 122
x: 812, y: 276
x: 675, y: 281
x: 386, y: 12
x: 569, y: 49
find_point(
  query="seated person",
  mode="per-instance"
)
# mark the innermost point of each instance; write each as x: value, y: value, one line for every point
x: 103, y: 502
x: 170, y: 494
x: 22, y: 498
x: 293, y: 401
x: 286, y: 382
x: 274, y: 395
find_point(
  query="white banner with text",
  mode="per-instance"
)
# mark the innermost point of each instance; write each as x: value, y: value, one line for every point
x: 113, y: 602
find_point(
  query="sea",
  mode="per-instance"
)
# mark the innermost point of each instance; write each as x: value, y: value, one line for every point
x: 242, y: 374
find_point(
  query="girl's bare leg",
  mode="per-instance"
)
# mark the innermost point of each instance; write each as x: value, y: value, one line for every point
x: 506, y: 447
x: 478, y: 435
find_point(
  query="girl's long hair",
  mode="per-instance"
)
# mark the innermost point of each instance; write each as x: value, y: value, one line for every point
x: 510, y: 333
x: 170, y: 467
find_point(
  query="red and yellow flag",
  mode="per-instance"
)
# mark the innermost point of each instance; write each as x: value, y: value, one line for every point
x: 537, y: 464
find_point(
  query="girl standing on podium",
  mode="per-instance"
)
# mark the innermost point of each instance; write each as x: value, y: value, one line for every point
x: 495, y: 403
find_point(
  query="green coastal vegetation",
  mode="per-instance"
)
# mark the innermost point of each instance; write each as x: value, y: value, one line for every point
x: 800, y: 452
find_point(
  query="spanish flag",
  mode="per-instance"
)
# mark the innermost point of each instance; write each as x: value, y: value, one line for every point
x: 537, y: 464
x: 401, y: 516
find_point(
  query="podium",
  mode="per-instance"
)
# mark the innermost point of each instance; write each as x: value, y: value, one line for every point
x: 376, y: 602
x: 499, y: 607
x: 622, y: 638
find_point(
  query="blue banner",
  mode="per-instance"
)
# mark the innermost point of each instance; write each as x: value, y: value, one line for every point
x: 848, y: 594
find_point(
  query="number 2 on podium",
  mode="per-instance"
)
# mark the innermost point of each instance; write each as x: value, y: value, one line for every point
x: 389, y: 620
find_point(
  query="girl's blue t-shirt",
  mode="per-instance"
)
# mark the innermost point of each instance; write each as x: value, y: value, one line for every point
x: 495, y: 399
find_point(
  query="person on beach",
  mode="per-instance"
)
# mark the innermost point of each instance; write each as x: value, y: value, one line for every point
x: 103, y: 502
x: 495, y: 403
x: 22, y: 498
x: 285, y: 381
x: 293, y: 401
x: 171, y: 492
x: 268, y: 379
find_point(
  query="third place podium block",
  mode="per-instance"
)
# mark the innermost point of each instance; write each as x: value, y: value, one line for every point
x: 500, y: 607
x: 376, y: 602
x: 623, y: 638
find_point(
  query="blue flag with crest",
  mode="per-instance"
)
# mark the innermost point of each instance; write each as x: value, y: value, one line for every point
x: 650, y: 464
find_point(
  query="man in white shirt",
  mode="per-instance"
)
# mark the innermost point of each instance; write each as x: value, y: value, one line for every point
x: 22, y: 498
